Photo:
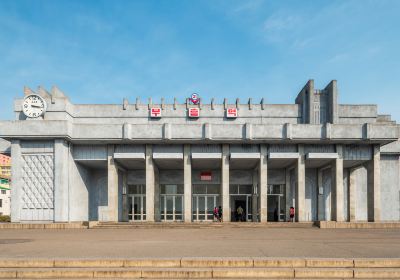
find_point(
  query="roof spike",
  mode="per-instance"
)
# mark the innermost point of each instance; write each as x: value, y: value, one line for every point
x: 43, y: 92
x: 125, y: 103
x: 28, y: 91
x: 225, y: 103
x: 250, y: 103
x: 150, y: 102
x: 137, y: 103
x: 212, y: 103
x: 175, y: 103
x: 262, y: 103
x: 237, y: 103
x: 162, y: 103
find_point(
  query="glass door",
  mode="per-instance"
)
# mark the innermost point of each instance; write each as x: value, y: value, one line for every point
x: 171, y: 207
x: 203, y: 207
x: 137, y: 207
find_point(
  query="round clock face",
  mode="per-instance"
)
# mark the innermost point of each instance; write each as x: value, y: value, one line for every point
x: 34, y: 106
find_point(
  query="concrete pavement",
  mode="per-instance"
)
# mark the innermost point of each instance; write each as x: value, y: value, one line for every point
x: 200, y: 242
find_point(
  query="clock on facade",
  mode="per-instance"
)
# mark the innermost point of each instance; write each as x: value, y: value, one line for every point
x: 34, y: 106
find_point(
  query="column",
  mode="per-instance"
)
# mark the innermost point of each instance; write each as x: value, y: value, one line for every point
x: 254, y: 202
x: 288, y: 195
x: 112, y: 185
x: 374, y: 186
x: 352, y: 195
x: 157, y: 189
x: 187, y: 183
x: 321, y: 197
x: 150, y: 184
x: 226, y: 211
x: 61, y: 181
x: 300, y: 186
x: 337, y: 186
x: 16, y: 181
x: 125, y: 210
x: 263, y: 183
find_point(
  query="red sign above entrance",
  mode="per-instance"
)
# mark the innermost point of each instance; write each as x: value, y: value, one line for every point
x: 155, y: 112
x: 206, y: 176
x: 194, y: 112
x: 231, y: 113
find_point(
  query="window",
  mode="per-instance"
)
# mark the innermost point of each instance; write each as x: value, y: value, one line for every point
x: 1, y: 203
x: 3, y: 191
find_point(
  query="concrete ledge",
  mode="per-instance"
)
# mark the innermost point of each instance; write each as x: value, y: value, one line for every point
x: 357, y: 225
x: 26, y: 263
x: 216, y: 262
x: 177, y: 273
x: 152, y: 263
x: 377, y: 273
x: 40, y: 274
x: 384, y: 263
x: 325, y: 273
x: 337, y: 263
x: 263, y: 262
x: 112, y: 274
x: 73, y: 225
x: 88, y: 263
x: 253, y: 273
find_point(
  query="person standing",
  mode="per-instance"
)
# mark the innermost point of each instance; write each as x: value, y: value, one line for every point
x: 220, y: 213
x: 216, y: 214
x: 291, y: 214
x: 239, y: 212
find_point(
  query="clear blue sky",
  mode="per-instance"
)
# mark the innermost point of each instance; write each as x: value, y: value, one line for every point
x: 102, y: 51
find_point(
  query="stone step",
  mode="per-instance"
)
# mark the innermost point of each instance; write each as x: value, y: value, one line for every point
x: 124, y: 225
x: 201, y: 273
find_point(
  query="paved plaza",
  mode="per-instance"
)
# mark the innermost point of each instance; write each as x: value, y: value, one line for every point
x: 200, y: 242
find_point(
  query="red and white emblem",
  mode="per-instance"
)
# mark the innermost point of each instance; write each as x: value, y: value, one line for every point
x: 194, y: 112
x: 155, y: 112
x: 231, y: 113
x: 194, y: 98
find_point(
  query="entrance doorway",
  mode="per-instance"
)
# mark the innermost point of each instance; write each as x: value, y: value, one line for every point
x: 171, y: 203
x: 205, y: 198
x: 276, y: 203
x: 241, y: 197
x: 245, y: 203
x: 136, y: 196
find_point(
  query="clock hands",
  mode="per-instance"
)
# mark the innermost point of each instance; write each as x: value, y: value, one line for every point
x: 37, y: 106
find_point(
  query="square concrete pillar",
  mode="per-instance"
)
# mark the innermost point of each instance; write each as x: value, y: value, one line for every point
x: 320, y: 200
x: 254, y: 202
x: 61, y: 181
x: 352, y: 195
x: 226, y: 211
x: 337, y: 186
x: 374, y: 185
x: 112, y: 185
x: 263, y: 183
x: 124, y: 200
x: 300, y: 186
x: 157, y: 209
x: 187, y: 184
x: 288, y: 202
x: 16, y: 181
x: 150, y: 184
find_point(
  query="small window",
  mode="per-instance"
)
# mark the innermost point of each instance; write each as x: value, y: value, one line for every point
x: 3, y: 191
x: 1, y: 203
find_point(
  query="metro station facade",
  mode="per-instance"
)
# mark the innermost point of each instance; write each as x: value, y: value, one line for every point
x: 146, y: 162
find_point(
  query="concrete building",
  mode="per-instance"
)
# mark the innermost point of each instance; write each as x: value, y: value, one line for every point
x: 176, y: 162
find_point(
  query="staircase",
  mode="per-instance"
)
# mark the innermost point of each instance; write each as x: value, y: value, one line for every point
x: 202, y: 268
x: 132, y: 225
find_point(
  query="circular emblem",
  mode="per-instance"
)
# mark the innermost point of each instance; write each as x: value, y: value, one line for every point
x: 194, y: 98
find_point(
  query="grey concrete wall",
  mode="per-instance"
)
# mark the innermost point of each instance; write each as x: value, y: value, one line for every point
x: 79, y: 189
x: 171, y: 177
x: 241, y: 177
x: 311, y: 195
x: 361, y: 204
x: 390, y: 188
x: 98, y: 199
x: 326, y: 201
x: 136, y: 177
